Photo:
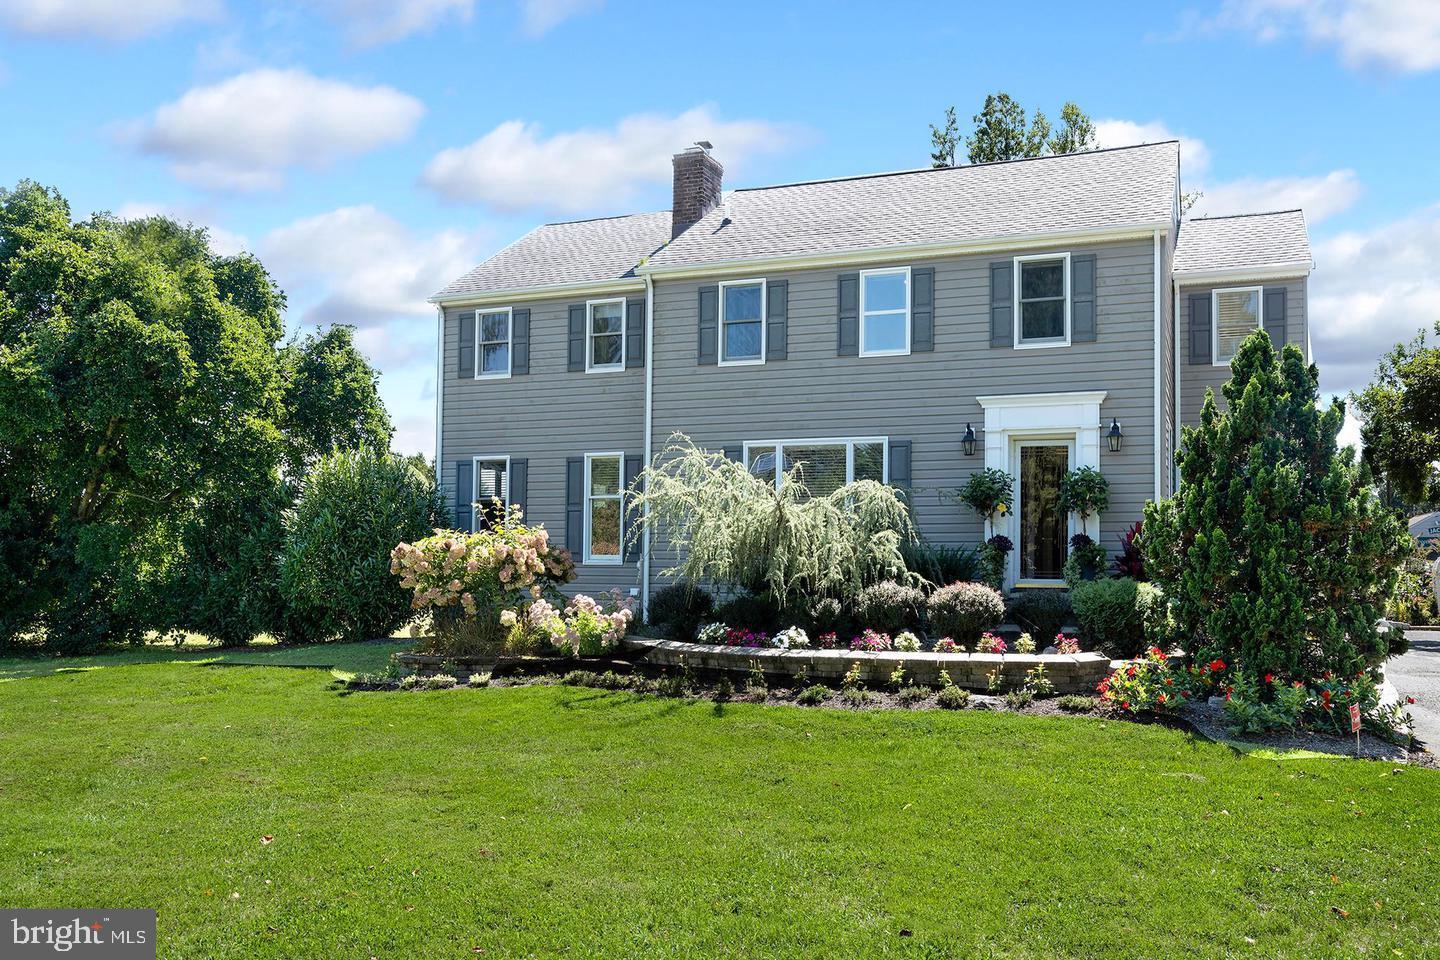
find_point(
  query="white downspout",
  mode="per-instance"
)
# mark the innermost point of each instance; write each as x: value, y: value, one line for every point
x: 439, y: 389
x: 1159, y: 368
x: 1175, y: 447
x: 649, y: 415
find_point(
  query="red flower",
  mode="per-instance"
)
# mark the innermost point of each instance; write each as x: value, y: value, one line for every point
x: 1169, y: 681
x: 1162, y: 698
x: 1297, y: 684
x: 1409, y: 699
x: 1124, y: 704
x: 1217, y: 664
x: 1269, y: 678
x: 1130, y: 672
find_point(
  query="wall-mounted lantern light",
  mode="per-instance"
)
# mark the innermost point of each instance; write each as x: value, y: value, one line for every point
x: 1115, y: 435
x: 968, y: 441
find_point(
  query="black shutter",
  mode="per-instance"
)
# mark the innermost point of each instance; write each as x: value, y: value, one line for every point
x: 1200, y: 328
x: 848, y: 331
x: 520, y: 484
x: 777, y: 319
x: 577, y: 338
x: 466, y: 366
x: 1275, y: 315
x: 464, y: 494
x: 635, y: 332
x: 1002, y: 303
x: 631, y: 531
x: 575, y: 506
x: 1082, y: 298
x: 707, y: 334
x: 922, y: 310
x: 899, y: 470
x: 520, y: 341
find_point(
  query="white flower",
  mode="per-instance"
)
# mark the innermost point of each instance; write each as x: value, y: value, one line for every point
x: 791, y: 638
x: 508, y: 618
x: 711, y: 633
x: 907, y: 642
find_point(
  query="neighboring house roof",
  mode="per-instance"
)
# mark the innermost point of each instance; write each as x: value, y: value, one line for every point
x: 1251, y: 241
x: 1425, y: 528
x: 565, y: 254
x: 1097, y: 189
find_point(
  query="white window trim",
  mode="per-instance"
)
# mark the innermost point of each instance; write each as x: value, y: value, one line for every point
x: 764, y: 323
x: 619, y: 457
x: 1048, y: 342
x: 509, y: 343
x: 883, y: 271
x: 1215, y: 318
x: 847, y: 442
x: 475, y: 485
x: 590, y: 306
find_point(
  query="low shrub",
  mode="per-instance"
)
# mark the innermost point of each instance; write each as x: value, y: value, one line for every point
x: 581, y: 678
x: 479, y: 679
x: 680, y: 608
x: 965, y: 610
x: 907, y: 642
x: 911, y: 695
x: 791, y: 638
x: 871, y: 640
x: 1019, y: 699
x: 736, y: 637
x: 890, y: 607
x: 1066, y: 645
x: 1087, y: 561
x: 953, y: 698
x: 671, y: 685
x: 584, y: 627
x: 1025, y: 643
x: 990, y: 643
x: 1147, y: 684
x: 750, y: 611
x: 828, y: 641
x: 1037, y: 682
x: 854, y: 696
x: 813, y: 695
x: 826, y: 615
x: 942, y: 564
x: 724, y: 690
x: 712, y: 633
x: 436, y: 681
x: 1109, y: 616
x: 1041, y: 613
x: 947, y: 645
x: 1251, y: 707
x: 1077, y: 703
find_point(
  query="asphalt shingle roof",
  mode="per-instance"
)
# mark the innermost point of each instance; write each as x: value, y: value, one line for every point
x: 1243, y: 241
x: 565, y: 253
x: 1100, y: 188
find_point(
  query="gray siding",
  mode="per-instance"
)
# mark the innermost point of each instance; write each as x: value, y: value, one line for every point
x: 926, y: 398
x: 546, y: 417
x: 1195, y: 378
x: 1167, y: 371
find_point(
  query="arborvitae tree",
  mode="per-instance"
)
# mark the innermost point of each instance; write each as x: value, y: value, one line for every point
x: 1276, y: 553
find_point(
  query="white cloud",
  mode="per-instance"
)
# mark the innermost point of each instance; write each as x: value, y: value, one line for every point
x: 1194, y: 155
x: 367, y: 23
x: 1371, y: 290
x: 244, y: 132
x: 223, y: 242
x: 514, y: 167
x: 359, y: 266
x: 414, y: 434
x: 1320, y: 197
x: 102, y: 19
x: 1397, y: 34
x: 538, y: 17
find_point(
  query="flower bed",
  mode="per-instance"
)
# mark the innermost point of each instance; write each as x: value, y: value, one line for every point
x: 1070, y: 673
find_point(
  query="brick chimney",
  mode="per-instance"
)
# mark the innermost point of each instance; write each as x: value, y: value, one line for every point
x: 698, y: 178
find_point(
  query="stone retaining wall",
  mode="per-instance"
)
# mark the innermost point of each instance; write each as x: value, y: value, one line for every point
x: 1071, y: 673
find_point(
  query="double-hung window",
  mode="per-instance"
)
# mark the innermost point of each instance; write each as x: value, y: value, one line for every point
x: 824, y: 465
x: 606, y: 348
x: 492, y: 356
x: 604, y: 512
x: 1238, y: 312
x: 492, y: 491
x: 742, y: 321
x: 1042, y: 300
x: 885, y: 312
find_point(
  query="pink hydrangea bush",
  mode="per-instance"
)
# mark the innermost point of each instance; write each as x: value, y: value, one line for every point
x: 585, y: 626
x: 478, y: 586
x: 871, y: 640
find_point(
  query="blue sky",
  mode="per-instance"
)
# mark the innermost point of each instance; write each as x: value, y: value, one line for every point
x: 369, y: 150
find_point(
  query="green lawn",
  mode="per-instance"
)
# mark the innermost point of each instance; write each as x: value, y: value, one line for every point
x: 549, y: 821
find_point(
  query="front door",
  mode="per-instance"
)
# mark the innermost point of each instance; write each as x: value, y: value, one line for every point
x: 1043, y: 544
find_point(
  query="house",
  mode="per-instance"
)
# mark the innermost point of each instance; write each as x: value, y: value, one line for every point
x: 1032, y: 315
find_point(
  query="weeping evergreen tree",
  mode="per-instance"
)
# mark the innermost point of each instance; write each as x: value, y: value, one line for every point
x: 1276, y: 553
x: 732, y: 528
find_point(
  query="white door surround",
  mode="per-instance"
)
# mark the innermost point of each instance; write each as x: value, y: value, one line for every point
x: 1016, y: 417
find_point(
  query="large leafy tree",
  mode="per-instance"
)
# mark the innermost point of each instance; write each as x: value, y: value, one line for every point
x: 132, y: 384
x: 1401, y: 411
x: 1275, y: 553
x: 332, y: 399
x: 1004, y: 131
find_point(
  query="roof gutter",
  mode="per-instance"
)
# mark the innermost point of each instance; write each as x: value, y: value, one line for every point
x: 1138, y: 231
x: 1288, y: 270
x: 513, y: 294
